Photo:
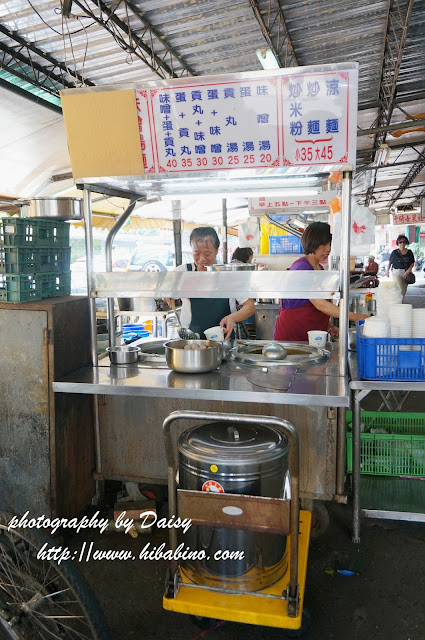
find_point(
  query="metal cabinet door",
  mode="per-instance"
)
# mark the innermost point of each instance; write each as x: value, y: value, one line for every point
x: 24, y: 412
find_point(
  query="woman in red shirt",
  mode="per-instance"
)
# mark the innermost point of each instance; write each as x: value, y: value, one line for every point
x: 297, y: 316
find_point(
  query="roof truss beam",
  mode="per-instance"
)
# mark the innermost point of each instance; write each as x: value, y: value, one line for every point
x: 273, y: 26
x: 22, y: 60
x: 395, y: 39
x: 166, y: 64
x: 411, y: 175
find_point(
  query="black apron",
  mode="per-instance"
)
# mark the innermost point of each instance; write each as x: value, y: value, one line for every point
x: 207, y: 312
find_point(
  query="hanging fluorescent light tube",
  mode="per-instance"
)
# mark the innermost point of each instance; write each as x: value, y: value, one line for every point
x: 267, y: 59
x: 266, y: 193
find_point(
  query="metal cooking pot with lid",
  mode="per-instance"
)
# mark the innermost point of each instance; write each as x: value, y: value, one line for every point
x: 246, y: 459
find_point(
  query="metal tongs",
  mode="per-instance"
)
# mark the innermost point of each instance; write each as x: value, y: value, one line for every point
x: 184, y: 334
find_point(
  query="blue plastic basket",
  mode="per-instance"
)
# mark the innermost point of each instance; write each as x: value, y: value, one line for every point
x: 284, y: 244
x: 383, y: 358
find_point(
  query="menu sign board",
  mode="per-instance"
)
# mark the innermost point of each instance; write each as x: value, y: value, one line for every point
x: 288, y: 117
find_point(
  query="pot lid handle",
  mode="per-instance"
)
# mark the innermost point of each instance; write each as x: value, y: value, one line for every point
x: 233, y: 432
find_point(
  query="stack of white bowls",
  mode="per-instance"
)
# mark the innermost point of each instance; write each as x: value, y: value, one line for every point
x: 401, y: 323
x: 376, y: 327
x: 388, y: 294
x: 418, y: 326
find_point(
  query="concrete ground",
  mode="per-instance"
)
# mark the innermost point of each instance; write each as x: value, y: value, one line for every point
x: 383, y: 600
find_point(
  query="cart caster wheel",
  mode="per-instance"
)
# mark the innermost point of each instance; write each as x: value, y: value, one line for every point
x: 305, y: 626
x: 319, y: 519
x: 203, y: 623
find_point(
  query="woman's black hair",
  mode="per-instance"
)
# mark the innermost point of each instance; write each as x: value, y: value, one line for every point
x: 243, y: 254
x: 317, y: 233
x: 402, y: 237
x: 202, y: 234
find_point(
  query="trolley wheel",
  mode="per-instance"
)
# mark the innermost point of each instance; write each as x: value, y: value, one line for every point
x: 305, y: 626
x: 40, y: 598
x: 319, y: 519
x: 203, y: 623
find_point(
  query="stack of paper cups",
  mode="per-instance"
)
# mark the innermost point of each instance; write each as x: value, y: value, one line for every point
x: 401, y: 318
x: 376, y: 327
x: 418, y: 326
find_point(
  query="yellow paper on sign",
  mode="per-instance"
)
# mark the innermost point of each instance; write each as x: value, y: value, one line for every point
x: 103, y: 133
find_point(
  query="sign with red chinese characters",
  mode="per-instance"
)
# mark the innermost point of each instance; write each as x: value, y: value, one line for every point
x: 287, y: 117
x: 272, y: 203
x: 407, y: 218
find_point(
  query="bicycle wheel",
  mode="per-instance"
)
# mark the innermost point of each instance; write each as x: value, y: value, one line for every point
x: 40, y: 599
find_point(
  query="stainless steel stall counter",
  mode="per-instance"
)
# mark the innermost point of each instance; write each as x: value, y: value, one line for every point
x: 318, y: 385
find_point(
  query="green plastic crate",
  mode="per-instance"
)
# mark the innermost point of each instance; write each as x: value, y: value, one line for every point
x: 55, y: 284
x: 20, y: 287
x: 62, y: 286
x: 398, y: 453
x: 31, y: 232
x: 23, y: 260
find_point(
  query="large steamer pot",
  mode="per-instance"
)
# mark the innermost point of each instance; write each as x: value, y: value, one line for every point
x: 53, y: 208
x: 247, y: 459
x: 190, y: 360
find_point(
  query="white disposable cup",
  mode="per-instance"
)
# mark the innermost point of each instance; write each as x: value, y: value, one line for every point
x: 214, y: 333
x: 317, y: 338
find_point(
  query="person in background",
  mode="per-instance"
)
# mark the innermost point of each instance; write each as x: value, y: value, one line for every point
x: 401, y: 263
x: 297, y: 316
x: 199, y: 314
x: 371, y: 267
x: 243, y: 254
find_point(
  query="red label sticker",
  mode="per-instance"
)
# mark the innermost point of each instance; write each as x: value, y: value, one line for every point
x: 212, y: 486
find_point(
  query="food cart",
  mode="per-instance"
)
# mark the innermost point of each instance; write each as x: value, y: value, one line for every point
x: 301, y: 125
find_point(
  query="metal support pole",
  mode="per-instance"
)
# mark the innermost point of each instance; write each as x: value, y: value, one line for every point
x: 108, y: 257
x: 88, y: 230
x: 176, y: 207
x: 344, y: 272
x: 340, y: 451
x: 357, y: 398
x: 224, y: 230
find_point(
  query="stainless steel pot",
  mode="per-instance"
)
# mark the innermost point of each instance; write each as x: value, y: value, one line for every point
x: 57, y: 208
x: 137, y: 304
x: 234, y: 458
x: 268, y: 301
x: 193, y: 361
x: 233, y: 266
x: 123, y: 355
x: 352, y: 339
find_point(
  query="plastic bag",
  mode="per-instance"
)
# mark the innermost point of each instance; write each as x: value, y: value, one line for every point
x: 249, y: 233
x: 362, y: 230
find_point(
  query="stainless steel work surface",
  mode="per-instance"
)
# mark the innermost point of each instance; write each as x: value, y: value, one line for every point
x: 317, y: 386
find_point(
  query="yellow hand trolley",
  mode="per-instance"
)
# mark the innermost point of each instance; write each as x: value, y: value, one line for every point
x: 277, y: 602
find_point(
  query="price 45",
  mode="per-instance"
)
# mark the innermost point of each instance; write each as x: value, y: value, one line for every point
x: 314, y: 154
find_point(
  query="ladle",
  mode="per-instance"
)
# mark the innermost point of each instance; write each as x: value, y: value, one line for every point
x: 274, y: 351
x: 184, y: 334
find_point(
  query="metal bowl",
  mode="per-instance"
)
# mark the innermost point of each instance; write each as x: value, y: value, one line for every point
x: 193, y: 361
x: 233, y: 266
x: 123, y: 355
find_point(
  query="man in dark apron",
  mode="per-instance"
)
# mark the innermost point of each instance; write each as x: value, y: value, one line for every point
x: 202, y: 313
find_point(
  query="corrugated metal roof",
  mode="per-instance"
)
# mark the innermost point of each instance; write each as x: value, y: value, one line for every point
x: 147, y: 38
